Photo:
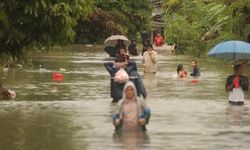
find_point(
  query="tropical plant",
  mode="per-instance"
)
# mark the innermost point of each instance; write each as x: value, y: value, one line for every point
x: 38, y: 23
x: 111, y: 17
x: 197, y: 25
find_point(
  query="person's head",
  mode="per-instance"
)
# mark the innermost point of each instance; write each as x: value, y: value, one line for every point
x: 133, y: 41
x: 179, y: 68
x: 129, y: 92
x: 122, y: 51
x: 194, y: 63
x: 6, y: 95
x: 149, y: 48
x: 238, y: 69
x: 158, y: 34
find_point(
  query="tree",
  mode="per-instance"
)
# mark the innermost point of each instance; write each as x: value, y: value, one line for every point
x: 195, y: 26
x: 38, y: 23
x: 111, y: 17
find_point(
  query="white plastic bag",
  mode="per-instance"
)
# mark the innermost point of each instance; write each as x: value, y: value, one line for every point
x: 121, y: 76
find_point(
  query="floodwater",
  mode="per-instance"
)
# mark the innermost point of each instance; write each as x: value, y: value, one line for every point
x: 75, y: 113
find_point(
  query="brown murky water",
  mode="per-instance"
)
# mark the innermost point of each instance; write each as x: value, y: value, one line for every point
x: 75, y: 114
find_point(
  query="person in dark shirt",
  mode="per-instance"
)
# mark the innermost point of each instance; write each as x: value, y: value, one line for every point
x: 132, y: 49
x: 236, y: 84
x: 144, y: 36
x: 195, y: 69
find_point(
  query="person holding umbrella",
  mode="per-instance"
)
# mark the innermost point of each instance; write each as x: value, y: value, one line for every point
x: 114, y: 43
x: 120, y: 45
x: 236, y: 84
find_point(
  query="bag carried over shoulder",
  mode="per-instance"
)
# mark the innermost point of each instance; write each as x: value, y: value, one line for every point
x: 121, y: 76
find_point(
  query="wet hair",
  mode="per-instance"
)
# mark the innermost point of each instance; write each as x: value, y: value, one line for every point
x: 179, y: 68
x: 6, y: 95
x: 237, y: 67
x: 149, y: 46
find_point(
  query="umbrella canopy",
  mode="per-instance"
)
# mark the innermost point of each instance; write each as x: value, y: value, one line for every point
x: 231, y: 50
x: 112, y: 40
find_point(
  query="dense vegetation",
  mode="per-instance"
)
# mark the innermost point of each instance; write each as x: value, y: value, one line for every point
x: 114, y: 16
x: 195, y: 26
x: 40, y: 24
x: 29, y: 24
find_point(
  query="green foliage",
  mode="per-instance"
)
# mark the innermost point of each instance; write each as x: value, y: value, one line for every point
x: 195, y: 26
x: 114, y: 16
x: 38, y: 23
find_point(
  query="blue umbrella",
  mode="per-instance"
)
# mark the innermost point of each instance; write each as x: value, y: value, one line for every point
x: 231, y: 50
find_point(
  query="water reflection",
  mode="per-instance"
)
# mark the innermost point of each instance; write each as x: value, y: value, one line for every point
x: 150, y: 82
x: 131, y: 140
x: 236, y: 114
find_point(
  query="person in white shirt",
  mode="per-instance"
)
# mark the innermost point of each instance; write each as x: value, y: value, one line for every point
x: 150, y: 58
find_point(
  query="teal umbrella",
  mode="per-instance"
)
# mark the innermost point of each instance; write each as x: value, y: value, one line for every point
x: 231, y: 50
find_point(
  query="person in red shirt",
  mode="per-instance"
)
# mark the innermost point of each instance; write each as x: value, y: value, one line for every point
x: 158, y: 40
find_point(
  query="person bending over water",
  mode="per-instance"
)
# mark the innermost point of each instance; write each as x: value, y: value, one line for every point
x: 236, y: 84
x: 132, y: 113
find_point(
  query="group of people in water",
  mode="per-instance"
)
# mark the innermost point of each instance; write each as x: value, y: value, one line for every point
x: 132, y: 112
x: 182, y: 73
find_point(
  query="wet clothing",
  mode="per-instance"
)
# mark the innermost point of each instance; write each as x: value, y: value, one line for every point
x: 130, y: 115
x: 150, y: 62
x: 236, y: 95
x: 195, y: 71
x: 243, y: 82
x: 240, y: 84
x: 129, y: 111
x: 116, y: 88
x: 112, y: 69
